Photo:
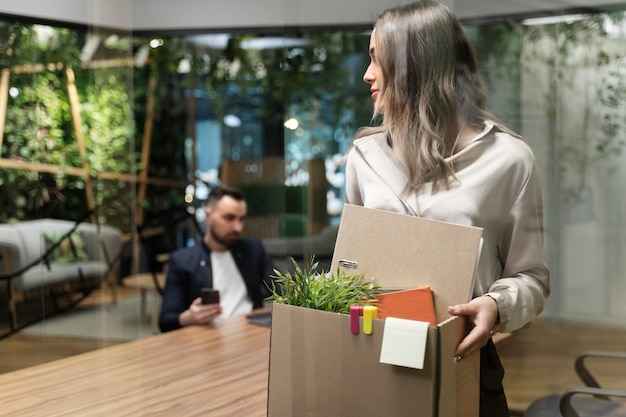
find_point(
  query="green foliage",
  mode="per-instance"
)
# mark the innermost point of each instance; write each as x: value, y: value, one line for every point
x: 581, y: 60
x: 25, y: 44
x: 36, y: 122
x: 264, y: 85
x: 39, y: 127
x: 569, y: 76
x: 170, y: 124
x: 281, y: 77
x: 108, y: 122
x: 334, y: 292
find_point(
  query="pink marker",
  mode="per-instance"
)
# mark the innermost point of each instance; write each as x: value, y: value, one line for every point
x: 355, y: 313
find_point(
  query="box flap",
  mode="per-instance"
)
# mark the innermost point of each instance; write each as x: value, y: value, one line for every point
x: 458, y: 380
x: 417, y: 251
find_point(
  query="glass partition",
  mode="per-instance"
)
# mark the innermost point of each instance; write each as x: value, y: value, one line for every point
x: 132, y: 131
x: 559, y: 82
x: 68, y: 168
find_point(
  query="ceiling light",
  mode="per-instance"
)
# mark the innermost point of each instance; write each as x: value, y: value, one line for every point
x: 142, y: 56
x: 291, y: 124
x: 552, y: 20
x: 273, y: 43
x: 184, y: 66
x: 90, y: 48
x: 231, y: 120
x: 210, y: 40
x: 220, y: 41
x: 155, y: 43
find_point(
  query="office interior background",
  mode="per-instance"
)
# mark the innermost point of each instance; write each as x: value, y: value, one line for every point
x: 208, y: 84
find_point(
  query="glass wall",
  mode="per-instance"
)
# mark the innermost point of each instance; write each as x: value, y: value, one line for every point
x: 271, y: 113
x: 133, y: 131
x: 556, y: 81
x: 67, y: 152
x: 559, y: 81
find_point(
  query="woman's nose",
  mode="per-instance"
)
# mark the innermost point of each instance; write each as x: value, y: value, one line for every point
x: 368, y: 77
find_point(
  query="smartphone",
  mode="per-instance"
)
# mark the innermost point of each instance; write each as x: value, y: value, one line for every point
x: 210, y: 296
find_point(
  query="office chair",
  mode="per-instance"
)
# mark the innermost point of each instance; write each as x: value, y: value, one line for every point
x: 589, y: 400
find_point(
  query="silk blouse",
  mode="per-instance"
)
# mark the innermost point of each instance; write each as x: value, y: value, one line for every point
x: 497, y: 188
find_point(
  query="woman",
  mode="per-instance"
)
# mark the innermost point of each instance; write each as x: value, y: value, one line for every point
x: 440, y: 154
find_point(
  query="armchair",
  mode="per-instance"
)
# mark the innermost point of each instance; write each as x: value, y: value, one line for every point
x: 589, y: 400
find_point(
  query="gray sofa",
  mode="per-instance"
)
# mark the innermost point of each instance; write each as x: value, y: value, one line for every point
x: 55, y: 257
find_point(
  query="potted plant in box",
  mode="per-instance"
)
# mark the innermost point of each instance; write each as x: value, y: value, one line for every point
x: 328, y: 291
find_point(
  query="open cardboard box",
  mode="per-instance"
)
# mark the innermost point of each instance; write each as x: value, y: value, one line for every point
x: 319, y: 368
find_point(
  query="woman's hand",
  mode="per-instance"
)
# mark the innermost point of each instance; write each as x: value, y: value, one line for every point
x: 482, y: 312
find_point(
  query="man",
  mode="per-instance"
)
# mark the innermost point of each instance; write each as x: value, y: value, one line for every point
x: 238, y: 267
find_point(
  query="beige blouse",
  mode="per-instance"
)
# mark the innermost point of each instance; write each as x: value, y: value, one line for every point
x: 498, y: 189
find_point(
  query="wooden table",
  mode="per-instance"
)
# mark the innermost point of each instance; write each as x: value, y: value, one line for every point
x: 195, y: 371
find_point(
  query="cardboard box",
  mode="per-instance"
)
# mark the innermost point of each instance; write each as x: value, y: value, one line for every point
x: 401, y: 252
x: 319, y: 368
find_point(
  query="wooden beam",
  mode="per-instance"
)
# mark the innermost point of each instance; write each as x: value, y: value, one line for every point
x: 58, y: 66
x: 135, y: 179
x: 143, y: 173
x: 145, y: 149
x: 36, y: 68
x: 80, y: 138
x: 4, y: 94
x: 40, y: 167
x: 317, y: 216
x: 79, y: 172
x: 109, y: 63
x: 191, y: 109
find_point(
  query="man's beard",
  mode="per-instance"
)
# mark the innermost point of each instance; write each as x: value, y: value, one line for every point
x: 224, y: 240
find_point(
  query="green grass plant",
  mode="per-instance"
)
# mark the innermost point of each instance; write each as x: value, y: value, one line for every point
x: 335, y: 292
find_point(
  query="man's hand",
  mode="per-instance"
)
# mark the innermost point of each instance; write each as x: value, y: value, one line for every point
x: 199, y: 313
x: 482, y: 312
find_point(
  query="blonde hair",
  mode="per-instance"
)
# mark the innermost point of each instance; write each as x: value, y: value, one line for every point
x: 432, y: 87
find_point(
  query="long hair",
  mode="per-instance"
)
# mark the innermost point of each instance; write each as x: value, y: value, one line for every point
x: 432, y: 88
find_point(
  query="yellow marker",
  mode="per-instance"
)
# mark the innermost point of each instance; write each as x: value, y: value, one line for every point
x: 369, y: 314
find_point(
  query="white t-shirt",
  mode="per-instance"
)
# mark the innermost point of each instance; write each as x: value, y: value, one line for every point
x: 228, y: 281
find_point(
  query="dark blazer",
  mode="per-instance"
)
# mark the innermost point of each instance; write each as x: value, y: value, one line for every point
x: 189, y: 270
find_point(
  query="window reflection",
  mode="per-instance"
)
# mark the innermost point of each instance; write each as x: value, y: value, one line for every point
x: 276, y: 111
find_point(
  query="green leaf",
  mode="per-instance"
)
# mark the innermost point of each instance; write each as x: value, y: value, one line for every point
x: 335, y: 292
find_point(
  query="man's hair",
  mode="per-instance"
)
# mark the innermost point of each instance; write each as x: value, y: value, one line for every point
x: 220, y: 191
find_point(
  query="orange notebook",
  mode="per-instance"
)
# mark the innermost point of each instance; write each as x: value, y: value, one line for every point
x: 414, y: 304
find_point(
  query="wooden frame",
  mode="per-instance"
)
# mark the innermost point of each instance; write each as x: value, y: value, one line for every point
x: 142, y: 179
